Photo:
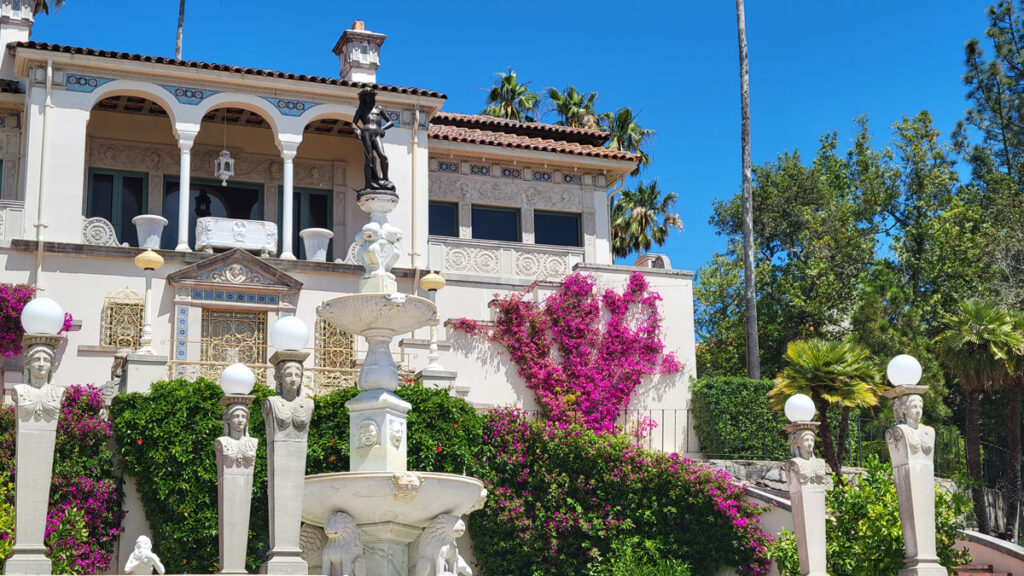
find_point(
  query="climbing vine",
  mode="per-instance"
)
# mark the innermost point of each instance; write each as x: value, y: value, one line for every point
x: 582, y: 353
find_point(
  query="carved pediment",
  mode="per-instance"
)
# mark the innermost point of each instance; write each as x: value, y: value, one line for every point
x: 235, y: 269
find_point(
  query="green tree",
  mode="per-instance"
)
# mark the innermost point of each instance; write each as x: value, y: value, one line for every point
x: 574, y: 108
x: 624, y: 133
x: 975, y: 345
x: 747, y: 194
x: 831, y: 373
x: 44, y: 6
x: 511, y: 100
x: 641, y: 217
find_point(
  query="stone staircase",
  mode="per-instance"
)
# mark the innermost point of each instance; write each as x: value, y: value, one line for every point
x: 979, y: 570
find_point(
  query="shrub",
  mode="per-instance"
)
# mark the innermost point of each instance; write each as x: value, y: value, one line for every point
x: 13, y: 298
x: 732, y: 417
x: 562, y: 496
x: 84, y: 515
x: 167, y: 436
x: 865, y: 537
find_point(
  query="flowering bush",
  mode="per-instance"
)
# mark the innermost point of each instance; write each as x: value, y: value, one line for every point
x: 564, y: 500
x: 84, y: 516
x: 583, y: 365
x: 13, y: 298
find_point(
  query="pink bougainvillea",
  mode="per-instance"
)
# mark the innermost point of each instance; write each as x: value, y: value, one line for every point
x: 13, y: 298
x: 582, y: 354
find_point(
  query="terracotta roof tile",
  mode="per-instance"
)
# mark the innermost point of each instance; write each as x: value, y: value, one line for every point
x: 533, y: 129
x: 492, y: 138
x: 220, y: 68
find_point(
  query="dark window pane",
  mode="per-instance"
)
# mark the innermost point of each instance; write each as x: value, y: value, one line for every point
x: 132, y: 190
x: 102, y: 201
x: 557, y: 228
x: 496, y: 223
x: 444, y: 219
x: 319, y: 211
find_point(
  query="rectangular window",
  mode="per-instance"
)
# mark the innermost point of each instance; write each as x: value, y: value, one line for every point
x: 311, y: 208
x: 557, y: 228
x: 444, y: 219
x: 208, y: 198
x: 493, y: 223
x: 118, y: 197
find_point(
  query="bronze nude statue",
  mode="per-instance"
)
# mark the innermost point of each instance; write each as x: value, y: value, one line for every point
x: 369, y: 125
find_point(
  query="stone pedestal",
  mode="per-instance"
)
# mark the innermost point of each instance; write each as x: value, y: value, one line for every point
x: 236, y: 460
x: 910, y: 447
x: 141, y: 370
x: 439, y: 379
x: 377, y: 432
x: 386, y: 547
x: 807, y: 484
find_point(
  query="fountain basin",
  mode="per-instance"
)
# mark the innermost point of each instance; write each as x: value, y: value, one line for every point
x: 378, y: 312
x: 409, y: 498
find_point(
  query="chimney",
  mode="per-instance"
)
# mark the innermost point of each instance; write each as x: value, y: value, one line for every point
x: 15, y: 26
x: 359, y: 52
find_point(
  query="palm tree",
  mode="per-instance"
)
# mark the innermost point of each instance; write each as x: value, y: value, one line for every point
x: 44, y: 6
x: 749, y: 286
x: 511, y: 100
x: 181, y: 28
x: 1014, y: 382
x: 625, y: 134
x: 642, y: 216
x: 576, y: 109
x: 975, y: 346
x: 830, y: 372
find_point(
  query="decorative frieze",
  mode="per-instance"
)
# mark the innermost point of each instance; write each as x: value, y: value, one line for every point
x: 290, y: 107
x: 84, y: 83
x: 505, y: 193
x: 189, y: 95
x: 503, y: 260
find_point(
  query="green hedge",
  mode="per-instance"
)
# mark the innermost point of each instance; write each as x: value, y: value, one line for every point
x: 732, y: 419
x: 166, y: 439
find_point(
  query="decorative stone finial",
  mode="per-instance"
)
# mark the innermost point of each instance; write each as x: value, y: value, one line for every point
x: 358, y: 50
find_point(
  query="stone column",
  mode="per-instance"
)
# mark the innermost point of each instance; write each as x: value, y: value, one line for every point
x: 185, y: 140
x: 807, y: 482
x: 287, y: 201
x: 37, y: 407
x: 236, y: 459
x: 287, y: 417
x: 910, y: 447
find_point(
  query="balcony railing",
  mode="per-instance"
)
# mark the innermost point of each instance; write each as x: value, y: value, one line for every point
x: 507, y: 260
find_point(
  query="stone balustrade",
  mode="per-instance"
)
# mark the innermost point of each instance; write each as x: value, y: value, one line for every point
x: 501, y: 260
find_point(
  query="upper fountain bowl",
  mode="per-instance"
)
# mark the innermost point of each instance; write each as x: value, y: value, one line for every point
x: 395, y: 313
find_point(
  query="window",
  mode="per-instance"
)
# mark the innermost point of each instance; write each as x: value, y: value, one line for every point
x: 334, y: 357
x: 492, y: 223
x: 118, y: 197
x: 444, y: 219
x: 209, y: 198
x: 229, y: 337
x: 557, y: 228
x: 121, y: 324
x: 310, y: 209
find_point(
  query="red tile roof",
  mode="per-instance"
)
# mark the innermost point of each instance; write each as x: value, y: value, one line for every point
x: 220, y: 68
x: 507, y: 140
x: 533, y: 129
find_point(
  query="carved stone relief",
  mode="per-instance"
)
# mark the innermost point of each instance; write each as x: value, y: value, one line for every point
x: 98, y: 231
x: 457, y: 188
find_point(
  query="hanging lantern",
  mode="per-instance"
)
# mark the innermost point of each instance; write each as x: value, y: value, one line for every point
x: 224, y: 167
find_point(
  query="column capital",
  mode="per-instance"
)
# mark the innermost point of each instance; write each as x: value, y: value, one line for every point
x: 289, y: 145
x: 288, y: 155
x: 186, y: 133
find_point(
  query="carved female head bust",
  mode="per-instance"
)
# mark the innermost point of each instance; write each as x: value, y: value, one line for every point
x: 38, y: 370
x: 368, y: 433
x: 801, y: 444
x: 236, y: 421
x: 908, y: 410
x: 288, y: 375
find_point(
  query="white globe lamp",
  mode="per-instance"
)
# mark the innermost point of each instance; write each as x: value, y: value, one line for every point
x: 799, y: 408
x: 289, y: 333
x: 904, y: 370
x: 42, y: 315
x: 237, y: 380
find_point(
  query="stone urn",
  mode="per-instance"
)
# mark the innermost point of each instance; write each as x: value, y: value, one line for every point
x: 149, y: 228
x: 316, y: 241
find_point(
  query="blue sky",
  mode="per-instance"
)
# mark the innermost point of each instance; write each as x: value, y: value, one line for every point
x: 815, y: 65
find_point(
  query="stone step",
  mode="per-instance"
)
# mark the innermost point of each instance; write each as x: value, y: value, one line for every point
x: 978, y: 570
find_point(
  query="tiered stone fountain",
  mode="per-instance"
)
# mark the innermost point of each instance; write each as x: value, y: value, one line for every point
x: 390, y: 505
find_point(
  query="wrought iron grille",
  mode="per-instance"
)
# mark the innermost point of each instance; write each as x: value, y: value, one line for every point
x: 230, y: 336
x: 122, y: 320
x: 334, y: 357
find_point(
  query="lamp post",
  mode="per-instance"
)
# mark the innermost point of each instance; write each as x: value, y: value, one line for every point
x: 148, y: 261
x: 910, y: 444
x: 806, y: 486
x: 432, y: 283
x: 37, y: 408
x: 287, y: 416
x: 236, y: 460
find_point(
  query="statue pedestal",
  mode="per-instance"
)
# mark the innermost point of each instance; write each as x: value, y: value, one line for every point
x: 809, y: 523
x: 286, y: 477
x: 141, y: 370
x: 234, y: 494
x: 34, y: 463
x: 439, y: 379
x: 386, y: 547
